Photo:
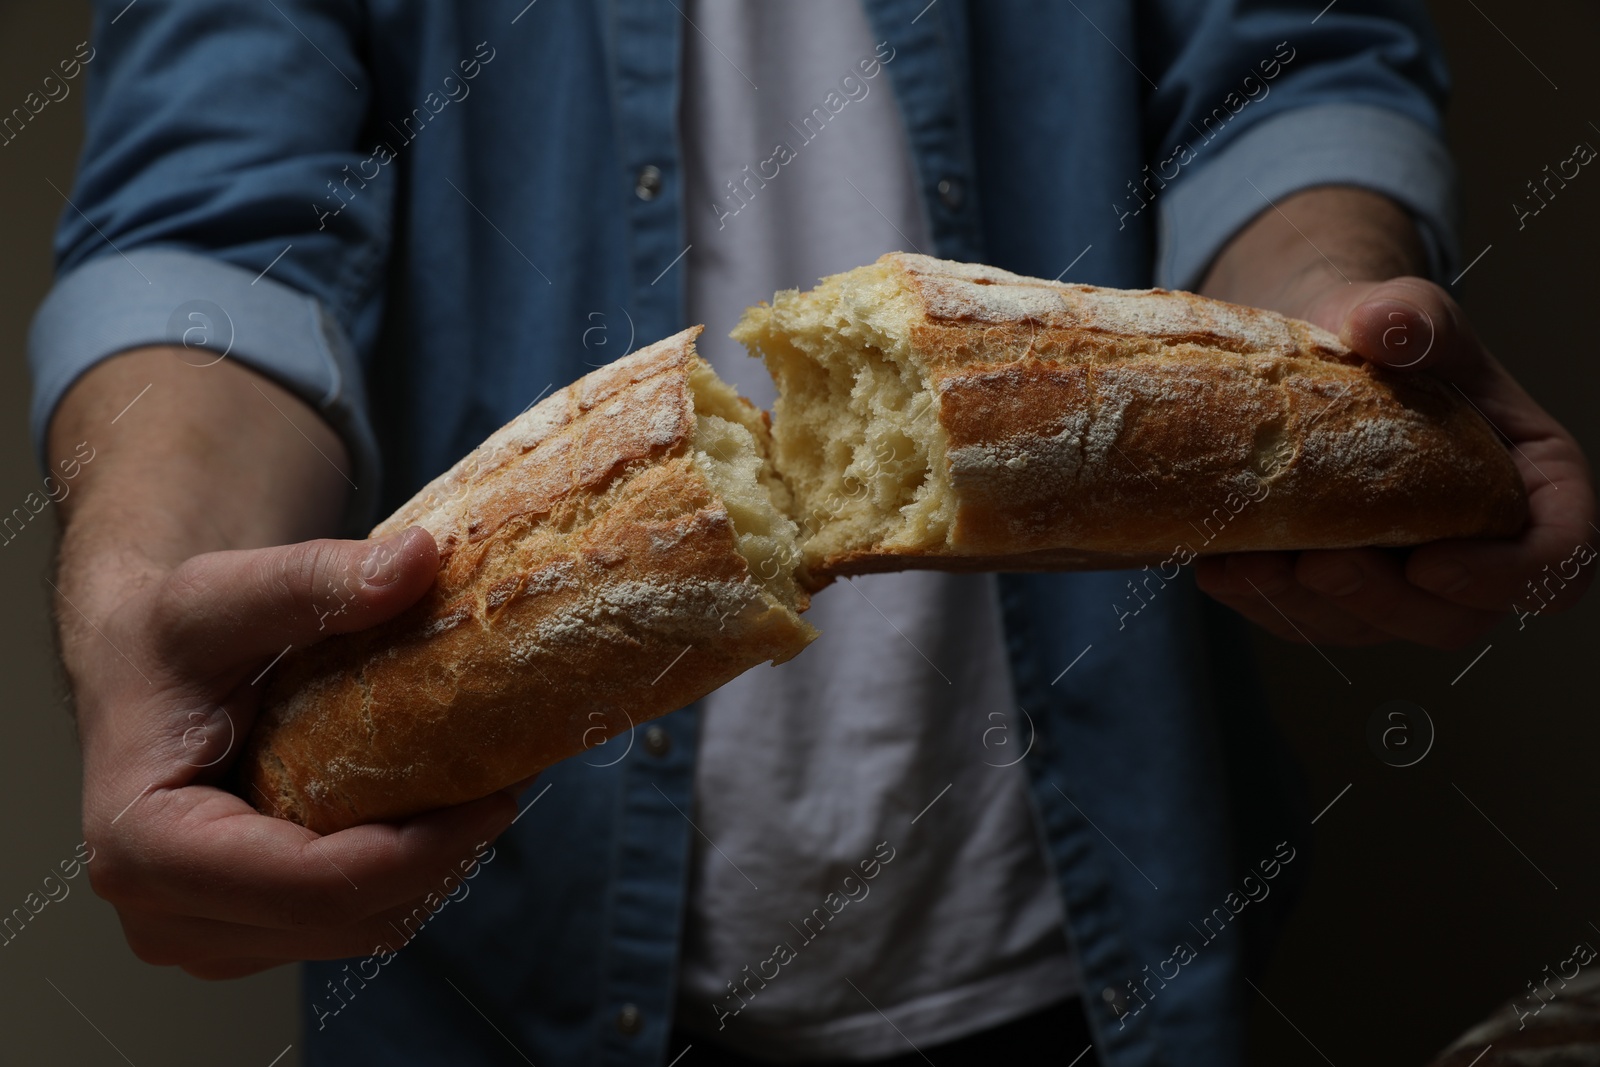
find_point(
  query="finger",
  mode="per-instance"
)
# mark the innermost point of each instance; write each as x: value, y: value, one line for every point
x: 1258, y: 613
x: 203, y: 852
x: 1409, y: 324
x: 222, y: 611
x: 1211, y: 575
x: 1546, y: 568
x: 1262, y: 587
x: 1370, y: 585
x: 166, y: 940
x: 1412, y: 324
x: 224, y: 970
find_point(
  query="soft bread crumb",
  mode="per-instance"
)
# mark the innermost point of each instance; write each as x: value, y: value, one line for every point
x: 731, y: 451
x: 855, y: 428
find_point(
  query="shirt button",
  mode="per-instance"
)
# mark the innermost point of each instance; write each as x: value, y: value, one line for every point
x: 648, y: 183
x: 951, y: 193
x: 657, y: 742
x: 1114, y: 1000
x: 629, y: 1021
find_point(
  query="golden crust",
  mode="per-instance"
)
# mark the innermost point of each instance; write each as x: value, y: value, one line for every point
x: 590, y: 577
x: 1090, y: 427
x: 588, y: 582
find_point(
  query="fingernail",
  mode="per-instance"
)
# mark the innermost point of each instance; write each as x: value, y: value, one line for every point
x: 1447, y: 576
x: 382, y: 565
x: 1336, y: 579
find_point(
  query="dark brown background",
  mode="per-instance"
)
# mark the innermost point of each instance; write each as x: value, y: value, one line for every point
x: 1421, y: 915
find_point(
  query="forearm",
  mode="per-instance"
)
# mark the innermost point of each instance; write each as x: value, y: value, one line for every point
x: 210, y: 457
x: 164, y: 679
x: 1287, y: 258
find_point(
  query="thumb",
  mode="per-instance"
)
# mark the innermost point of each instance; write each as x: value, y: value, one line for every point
x: 223, y: 611
x: 1405, y: 324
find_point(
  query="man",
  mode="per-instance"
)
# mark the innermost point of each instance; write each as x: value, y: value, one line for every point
x: 998, y: 817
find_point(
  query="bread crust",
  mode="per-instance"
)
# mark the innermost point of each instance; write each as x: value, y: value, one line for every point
x: 590, y: 578
x: 1093, y: 428
x: 588, y: 581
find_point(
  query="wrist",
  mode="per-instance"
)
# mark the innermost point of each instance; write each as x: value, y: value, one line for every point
x: 1298, y: 252
x: 107, y: 555
x: 208, y: 459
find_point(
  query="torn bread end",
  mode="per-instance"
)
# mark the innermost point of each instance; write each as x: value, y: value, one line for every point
x: 731, y: 449
x: 855, y: 429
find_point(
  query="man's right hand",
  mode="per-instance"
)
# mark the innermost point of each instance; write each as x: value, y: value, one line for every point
x: 166, y: 630
x: 200, y: 878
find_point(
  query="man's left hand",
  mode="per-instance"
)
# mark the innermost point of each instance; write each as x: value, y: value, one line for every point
x: 1447, y: 593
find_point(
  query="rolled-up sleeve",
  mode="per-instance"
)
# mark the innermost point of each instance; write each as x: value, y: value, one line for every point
x: 214, y: 206
x: 1259, y: 101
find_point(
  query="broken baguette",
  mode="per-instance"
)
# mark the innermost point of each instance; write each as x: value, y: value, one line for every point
x: 946, y: 415
x: 640, y: 537
x: 595, y: 572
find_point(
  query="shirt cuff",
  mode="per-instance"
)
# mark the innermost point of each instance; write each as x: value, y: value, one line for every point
x: 218, y: 311
x: 1329, y: 144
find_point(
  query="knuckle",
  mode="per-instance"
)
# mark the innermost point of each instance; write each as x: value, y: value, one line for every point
x: 296, y: 571
x: 222, y: 970
x: 149, y: 942
x: 111, y: 879
x: 154, y: 950
x: 190, y: 584
x: 312, y: 571
x: 1426, y: 294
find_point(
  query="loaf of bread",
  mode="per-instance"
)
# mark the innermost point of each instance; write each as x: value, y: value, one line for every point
x: 594, y: 573
x: 645, y: 535
x: 936, y: 414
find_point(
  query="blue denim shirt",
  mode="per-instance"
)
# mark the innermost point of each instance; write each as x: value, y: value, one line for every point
x: 410, y: 212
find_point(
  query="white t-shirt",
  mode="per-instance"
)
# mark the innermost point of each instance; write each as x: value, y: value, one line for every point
x: 870, y: 874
